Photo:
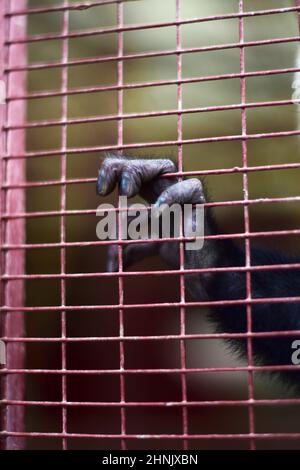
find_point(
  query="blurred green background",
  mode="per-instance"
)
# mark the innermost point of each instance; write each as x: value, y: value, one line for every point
x: 103, y: 291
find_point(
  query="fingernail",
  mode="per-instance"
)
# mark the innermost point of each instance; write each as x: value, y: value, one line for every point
x: 125, y: 185
x: 159, y: 202
x: 101, y: 182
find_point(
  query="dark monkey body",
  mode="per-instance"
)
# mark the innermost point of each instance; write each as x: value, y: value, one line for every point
x: 143, y: 176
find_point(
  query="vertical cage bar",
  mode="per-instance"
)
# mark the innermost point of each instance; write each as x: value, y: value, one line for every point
x: 13, y: 231
x: 2, y: 197
x: 63, y: 197
x: 246, y: 225
x: 181, y: 244
x: 2, y: 151
x: 120, y: 22
x: 297, y: 2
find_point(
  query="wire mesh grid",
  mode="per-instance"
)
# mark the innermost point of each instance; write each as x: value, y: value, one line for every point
x: 75, y: 388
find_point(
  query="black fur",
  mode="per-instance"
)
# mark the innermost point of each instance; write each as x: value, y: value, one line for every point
x: 143, y: 176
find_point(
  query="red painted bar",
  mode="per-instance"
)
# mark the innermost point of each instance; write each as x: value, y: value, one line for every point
x: 167, y: 143
x: 203, y: 304
x: 80, y: 212
x: 131, y: 86
x: 151, y: 54
x: 63, y: 201
x: 251, y: 415
x: 120, y: 98
x: 14, y: 232
x: 82, y: 339
x: 65, y: 7
x: 115, y: 117
x: 190, y: 404
x: 165, y: 272
x: 257, y: 436
x: 283, y: 166
x: 136, y: 27
x: 2, y: 202
x: 233, y: 236
x: 182, y: 326
x: 172, y: 371
x: 108, y: 30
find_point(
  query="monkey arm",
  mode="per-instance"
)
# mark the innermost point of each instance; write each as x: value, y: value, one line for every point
x: 143, y: 176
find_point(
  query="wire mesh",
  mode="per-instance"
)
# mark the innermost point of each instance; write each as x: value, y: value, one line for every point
x: 131, y: 384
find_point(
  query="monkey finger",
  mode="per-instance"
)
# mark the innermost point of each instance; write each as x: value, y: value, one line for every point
x: 130, y: 174
x: 189, y: 191
x: 109, y: 174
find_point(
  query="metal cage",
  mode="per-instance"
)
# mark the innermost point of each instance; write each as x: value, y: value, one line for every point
x: 55, y: 392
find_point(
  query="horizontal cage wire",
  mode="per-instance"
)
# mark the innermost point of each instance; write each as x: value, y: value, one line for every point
x: 97, y: 359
